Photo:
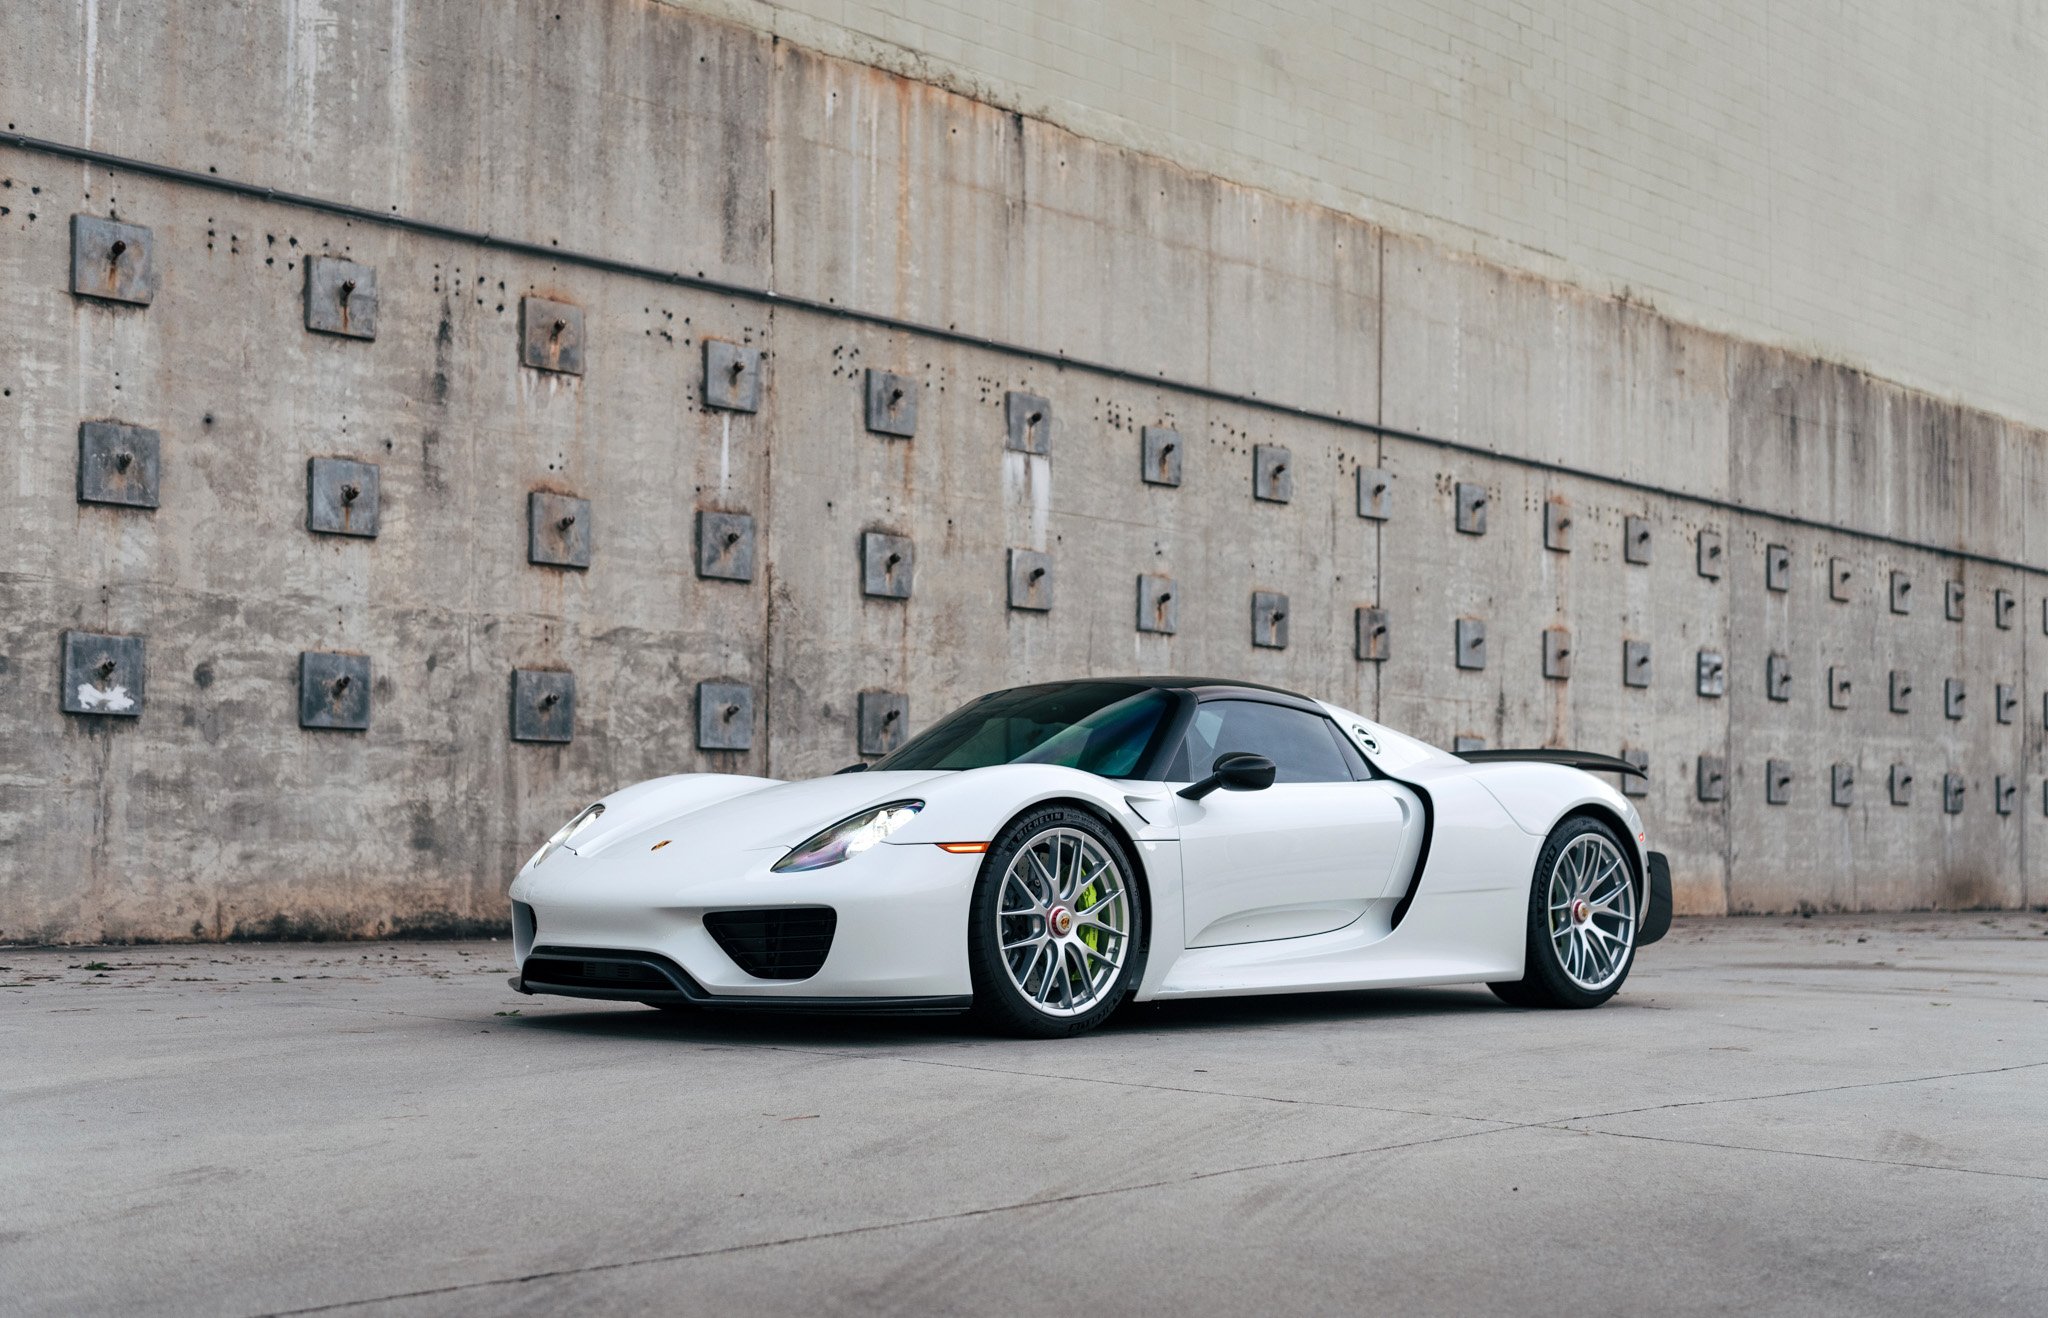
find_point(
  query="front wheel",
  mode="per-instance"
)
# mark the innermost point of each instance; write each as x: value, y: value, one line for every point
x: 1055, y: 930
x: 1583, y: 919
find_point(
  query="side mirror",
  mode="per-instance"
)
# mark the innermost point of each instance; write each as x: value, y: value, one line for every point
x: 1239, y: 771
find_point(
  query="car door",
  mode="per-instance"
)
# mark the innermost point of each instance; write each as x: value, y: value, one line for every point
x: 1308, y: 854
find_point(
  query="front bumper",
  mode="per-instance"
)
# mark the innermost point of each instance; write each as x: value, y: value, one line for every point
x: 634, y: 929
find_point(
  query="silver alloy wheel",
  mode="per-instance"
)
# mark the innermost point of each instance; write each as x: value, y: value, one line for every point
x: 1592, y: 905
x: 1063, y: 921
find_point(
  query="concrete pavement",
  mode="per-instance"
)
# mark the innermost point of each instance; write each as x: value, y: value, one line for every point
x: 1834, y: 1115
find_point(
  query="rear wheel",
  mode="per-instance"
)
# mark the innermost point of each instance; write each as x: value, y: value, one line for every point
x: 1583, y: 917
x: 1055, y: 930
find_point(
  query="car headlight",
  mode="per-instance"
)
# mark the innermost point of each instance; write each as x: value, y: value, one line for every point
x: 584, y: 819
x: 848, y: 838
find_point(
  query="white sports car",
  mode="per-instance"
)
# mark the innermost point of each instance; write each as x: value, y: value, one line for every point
x: 1045, y: 853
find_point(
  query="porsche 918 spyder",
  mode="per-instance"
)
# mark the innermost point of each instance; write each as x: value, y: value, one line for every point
x: 1046, y: 853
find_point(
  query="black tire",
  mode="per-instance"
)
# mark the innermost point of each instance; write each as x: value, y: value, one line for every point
x: 999, y: 1003
x: 1546, y: 982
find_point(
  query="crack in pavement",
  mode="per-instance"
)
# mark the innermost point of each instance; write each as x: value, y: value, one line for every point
x: 1796, y: 1093
x: 1795, y: 1153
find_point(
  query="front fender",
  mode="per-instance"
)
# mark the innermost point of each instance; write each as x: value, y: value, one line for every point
x: 973, y: 805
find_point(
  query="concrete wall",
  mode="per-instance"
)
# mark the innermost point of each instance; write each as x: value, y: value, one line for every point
x: 623, y: 135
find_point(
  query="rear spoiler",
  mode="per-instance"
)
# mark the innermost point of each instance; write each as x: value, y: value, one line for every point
x: 1592, y: 761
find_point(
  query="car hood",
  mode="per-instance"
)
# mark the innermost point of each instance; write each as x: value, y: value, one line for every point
x: 721, y: 813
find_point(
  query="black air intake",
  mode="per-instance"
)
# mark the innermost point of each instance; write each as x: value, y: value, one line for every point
x: 789, y: 942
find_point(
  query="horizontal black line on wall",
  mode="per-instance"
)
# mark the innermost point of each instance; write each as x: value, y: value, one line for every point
x: 611, y: 265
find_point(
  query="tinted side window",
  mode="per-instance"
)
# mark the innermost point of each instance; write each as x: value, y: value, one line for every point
x: 1299, y: 744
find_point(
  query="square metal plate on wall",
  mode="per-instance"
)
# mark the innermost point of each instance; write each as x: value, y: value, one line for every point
x: 1901, y: 593
x: 884, y: 721
x: 2004, y: 791
x: 1027, y: 420
x: 1777, y: 782
x: 1709, y: 554
x: 887, y: 565
x: 1712, y: 673
x: 1159, y: 456
x: 2002, y: 609
x: 1272, y: 473
x: 1842, y: 784
x: 1557, y: 654
x: 341, y: 297
x: 725, y: 546
x: 1901, y: 693
x: 725, y: 716
x: 1777, y: 568
x: 1710, y: 778
x: 1372, y: 642
x: 342, y: 497
x: 1635, y: 539
x: 1901, y: 785
x: 1839, y: 573
x: 1375, y: 493
x: 1269, y: 620
x: 2007, y: 700
x: 103, y: 674
x: 1635, y: 663
x: 732, y: 376
x: 1471, y: 514
x: 1471, y: 643
x: 1952, y: 601
x: 891, y: 404
x: 1952, y: 793
x: 1778, y: 677
x: 551, y: 335
x: 1631, y: 784
x: 112, y: 261
x: 1838, y: 687
x: 1952, y: 698
x: 119, y: 464
x: 1557, y: 525
x: 557, y: 530
x: 334, y: 691
x: 1158, y: 605
x: 1030, y: 580
x: 543, y: 704
x: 1465, y: 741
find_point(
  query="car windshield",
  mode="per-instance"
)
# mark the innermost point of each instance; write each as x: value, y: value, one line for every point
x: 1106, y: 728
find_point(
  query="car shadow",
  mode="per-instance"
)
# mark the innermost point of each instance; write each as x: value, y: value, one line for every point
x: 1138, y: 1019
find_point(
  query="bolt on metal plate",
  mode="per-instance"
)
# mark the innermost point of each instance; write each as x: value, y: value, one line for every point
x: 1952, y: 601
x: 2002, y: 603
x: 1159, y: 455
x: 1777, y: 568
x: 1471, y: 516
x: 103, y: 674
x: 1901, y: 692
x: 1901, y: 593
x: 1711, y: 673
x: 1635, y: 539
x: 1952, y: 793
x: 2004, y: 791
x: 725, y: 716
x: 884, y: 721
x: 1465, y: 741
x: 543, y: 704
x: 2008, y: 702
x: 1631, y: 785
x: 725, y: 546
x: 1158, y: 605
x: 1030, y: 580
x: 1471, y: 642
x: 1635, y: 663
x: 887, y: 564
x: 119, y: 464
x: 1838, y: 580
x: 1901, y: 785
x: 1272, y: 473
x: 1952, y: 698
x: 342, y: 497
x: 1375, y: 493
x: 341, y: 297
x: 557, y: 530
x: 732, y: 376
x: 334, y: 691
x: 1557, y: 654
x: 1777, y: 782
x: 1372, y: 641
x: 1842, y: 785
x: 891, y: 404
x: 1709, y: 554
x: 1838, y: 687
x: 1557, y: 524
x: 1028, y: 422
x: 1269, y: 620
x: 551, y: 335
x: 1710, y: 778
x: 1778, y: 677
x: 112, y: 261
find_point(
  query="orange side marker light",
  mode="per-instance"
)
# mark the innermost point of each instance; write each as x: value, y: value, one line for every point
x: 963, y: 848
x: 659, y: 845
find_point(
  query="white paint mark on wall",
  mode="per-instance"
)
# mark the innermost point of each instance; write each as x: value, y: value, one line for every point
x: 92, y: 61
x: 1027, y: 487
x: 113, y: 700
x: 725, y: 455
